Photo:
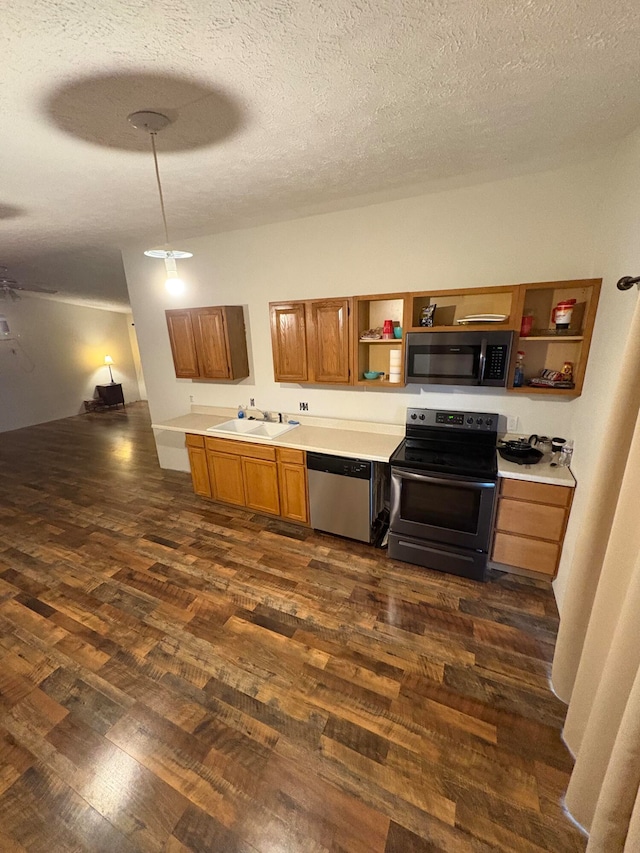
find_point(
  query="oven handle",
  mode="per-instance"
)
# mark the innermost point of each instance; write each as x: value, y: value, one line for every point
x: 442, y: 481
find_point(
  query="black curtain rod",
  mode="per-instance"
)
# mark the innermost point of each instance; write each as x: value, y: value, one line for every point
x: 627, y: 282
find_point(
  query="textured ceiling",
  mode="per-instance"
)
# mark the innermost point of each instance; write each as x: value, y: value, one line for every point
x: 283, y: 109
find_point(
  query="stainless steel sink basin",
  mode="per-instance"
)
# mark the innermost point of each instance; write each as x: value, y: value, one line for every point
x: 261, y: 429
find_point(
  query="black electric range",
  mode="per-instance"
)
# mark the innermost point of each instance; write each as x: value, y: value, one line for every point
x: 443, y: 490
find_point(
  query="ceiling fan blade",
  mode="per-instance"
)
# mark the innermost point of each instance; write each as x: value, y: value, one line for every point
x: 8, y: 293
x: 8, y: 285
x: 31, y: 287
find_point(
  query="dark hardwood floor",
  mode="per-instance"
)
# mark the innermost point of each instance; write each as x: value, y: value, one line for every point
x: 180, y: 676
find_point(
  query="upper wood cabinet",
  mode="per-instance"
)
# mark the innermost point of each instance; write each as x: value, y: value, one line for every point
x: 311, y: 341
x: 328, y: 341
x: 183, y: 344
x: 289, y: 342
x: 208, y: 343
x: 324, y: 341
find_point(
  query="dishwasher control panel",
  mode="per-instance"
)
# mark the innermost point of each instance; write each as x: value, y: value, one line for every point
x: 358, y: 468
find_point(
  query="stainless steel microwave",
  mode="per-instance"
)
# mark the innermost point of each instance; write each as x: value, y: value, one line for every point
x: 458, y: 358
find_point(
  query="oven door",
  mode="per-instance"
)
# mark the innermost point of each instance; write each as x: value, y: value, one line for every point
x: 449, y: 510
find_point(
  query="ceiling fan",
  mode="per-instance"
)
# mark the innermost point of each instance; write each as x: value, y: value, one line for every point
x: 9, y: 287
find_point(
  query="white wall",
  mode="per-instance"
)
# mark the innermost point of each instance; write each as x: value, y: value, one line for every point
x: 57, y: 359
x: 531, y: 228
x: 137, y: 361
x: 618, y: 254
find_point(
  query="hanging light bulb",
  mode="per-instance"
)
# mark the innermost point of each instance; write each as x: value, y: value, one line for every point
x: 152, y: 123
x: 174, y: 285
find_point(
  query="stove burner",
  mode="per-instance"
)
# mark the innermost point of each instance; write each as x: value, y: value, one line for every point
x: 458, y: 444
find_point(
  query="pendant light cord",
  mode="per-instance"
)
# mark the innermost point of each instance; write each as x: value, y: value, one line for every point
x: 164, y: 215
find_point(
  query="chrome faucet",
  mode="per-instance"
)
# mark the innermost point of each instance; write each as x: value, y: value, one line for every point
x: 270, y: 417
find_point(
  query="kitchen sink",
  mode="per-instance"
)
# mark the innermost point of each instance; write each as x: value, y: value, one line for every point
x: 268, y: 430
x: 261, y: 429
x: 236, y: 427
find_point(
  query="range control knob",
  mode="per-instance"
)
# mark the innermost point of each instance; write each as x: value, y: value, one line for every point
x: 469, y: 420
x: 414, y: 416
x: 421, y: 417
x: 479, y: 422
x: 489, y: 422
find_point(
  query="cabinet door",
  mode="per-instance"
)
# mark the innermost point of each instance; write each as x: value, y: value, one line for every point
x: 261, y: 485
x: 293, y: 492
x: 199, y: 471
x: 183, y: 345
x: 329, y: 345
x: 211, y: 342
x: 289, y: 342
x: 225, y: 472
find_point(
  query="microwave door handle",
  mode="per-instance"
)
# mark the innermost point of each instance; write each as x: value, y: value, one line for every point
x: 483, y: 360
x: 441, y: 481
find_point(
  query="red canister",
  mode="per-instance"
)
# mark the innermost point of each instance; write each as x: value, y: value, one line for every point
x: 387, y: 330
x: 526, y: 325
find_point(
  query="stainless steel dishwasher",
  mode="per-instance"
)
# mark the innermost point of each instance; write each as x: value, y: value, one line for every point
x: 345, y: 495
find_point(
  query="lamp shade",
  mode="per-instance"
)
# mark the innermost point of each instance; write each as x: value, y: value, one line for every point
x: 108, y: 359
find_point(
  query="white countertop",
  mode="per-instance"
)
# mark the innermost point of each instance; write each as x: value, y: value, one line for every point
x: 541, y: 472
x: 353, y: 439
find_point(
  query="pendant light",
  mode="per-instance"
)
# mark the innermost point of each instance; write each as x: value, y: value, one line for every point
x: 152, y: 122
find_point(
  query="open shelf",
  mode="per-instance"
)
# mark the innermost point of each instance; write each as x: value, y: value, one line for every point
x: 375, y: 355
x: 555, y: 338
x: 549, y: 350
x: 556, y: 392
x: 453, y: 305
x: 464, y: 327
x: 380, y: 383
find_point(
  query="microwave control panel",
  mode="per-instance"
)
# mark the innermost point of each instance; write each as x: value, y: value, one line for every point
x: 496, y: 361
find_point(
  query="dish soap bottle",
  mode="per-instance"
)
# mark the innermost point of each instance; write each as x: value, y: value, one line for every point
x: 518, y: 376
x: 241, y: 409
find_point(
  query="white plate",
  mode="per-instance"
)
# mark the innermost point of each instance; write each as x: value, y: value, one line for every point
x: 482, y: 318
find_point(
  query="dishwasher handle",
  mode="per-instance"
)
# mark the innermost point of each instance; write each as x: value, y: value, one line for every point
x: 343, y: 466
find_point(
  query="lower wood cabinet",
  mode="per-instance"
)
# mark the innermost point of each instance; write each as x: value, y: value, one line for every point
x: 530, y: 525
x: 198, y: 465
x: 266, y: 479
x: 227, y: 482
x: 292, y: 477
x: 261, y: 485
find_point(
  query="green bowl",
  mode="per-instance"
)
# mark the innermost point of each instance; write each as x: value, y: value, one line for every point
x: 369, y: 374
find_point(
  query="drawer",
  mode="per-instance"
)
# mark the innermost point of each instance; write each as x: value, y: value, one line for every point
x: 293, y: 457
x: 532, y: 554
x: 539, y: 520
x: 540, y: 492
x: 257, y: 451
x: 194, y: 440
x: 241, y: 448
